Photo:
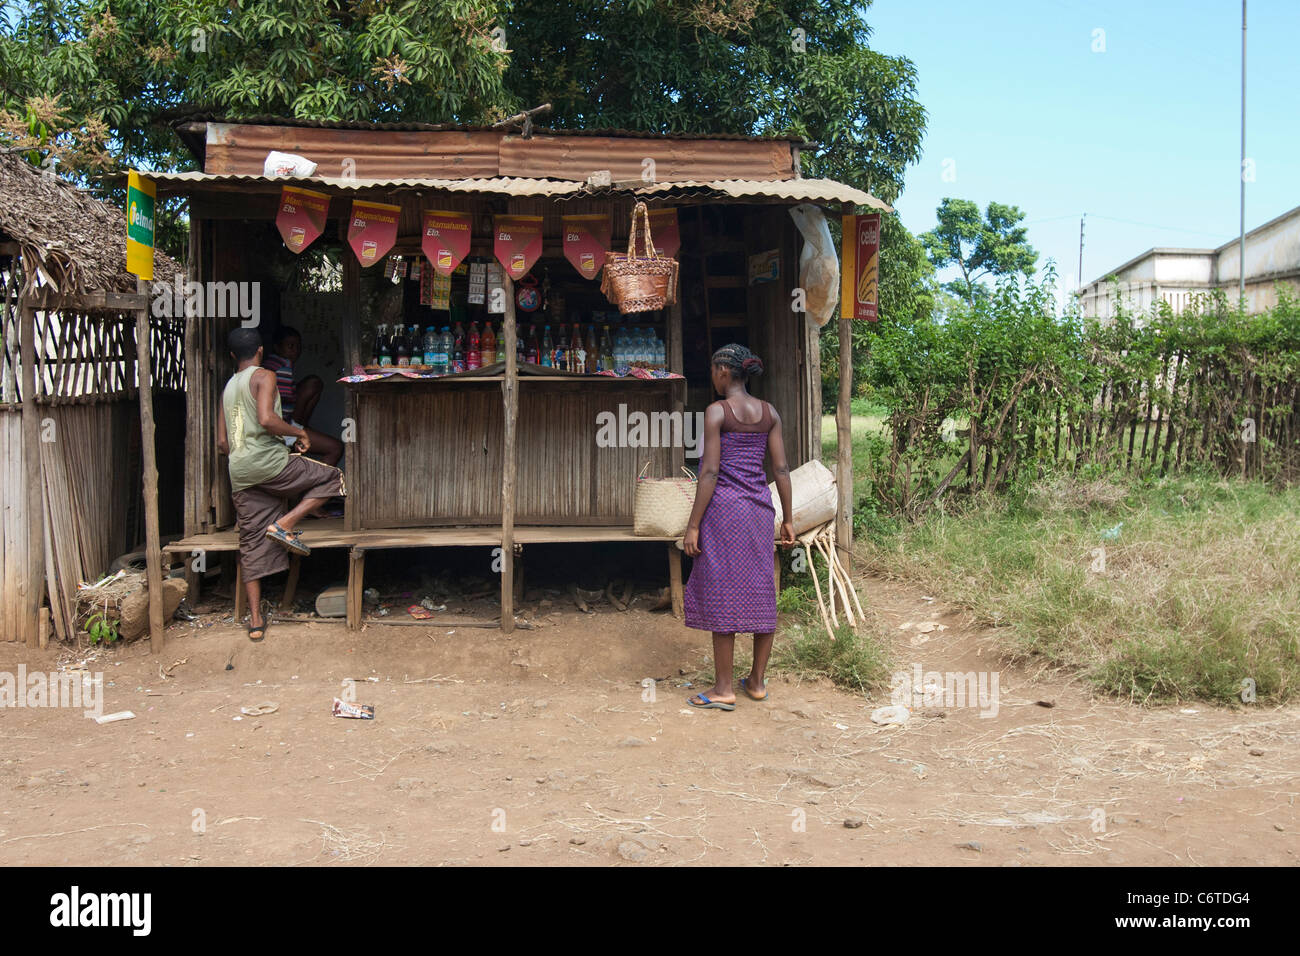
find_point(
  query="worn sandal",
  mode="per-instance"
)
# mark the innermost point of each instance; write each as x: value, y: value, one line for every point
x: 719, y: 704
x: 750, y: 693
x: 261, y: 633
x: 287, y: 538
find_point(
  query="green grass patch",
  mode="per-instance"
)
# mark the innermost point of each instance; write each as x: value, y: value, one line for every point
x: 1158, y: 591
x: 856, y: 661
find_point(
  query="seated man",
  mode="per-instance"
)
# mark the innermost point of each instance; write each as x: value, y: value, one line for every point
x: 251, y: 430
x: 299, y: 399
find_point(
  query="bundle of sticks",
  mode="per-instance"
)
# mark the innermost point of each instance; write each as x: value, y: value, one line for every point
x: 821, y: 540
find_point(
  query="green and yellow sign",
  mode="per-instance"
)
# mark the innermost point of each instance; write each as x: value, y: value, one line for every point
x: 140, y: 196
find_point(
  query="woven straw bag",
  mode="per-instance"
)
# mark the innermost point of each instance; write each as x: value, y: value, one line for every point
x: 639, y: 283
x: 662, y: 507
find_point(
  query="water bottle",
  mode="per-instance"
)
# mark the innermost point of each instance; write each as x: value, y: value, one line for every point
x: 430, y: 347
x: 443, y: 360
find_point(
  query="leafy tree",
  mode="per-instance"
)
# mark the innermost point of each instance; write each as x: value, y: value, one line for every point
x: 114, y: 72
x: 908, y: 294
x: 993, y: 245
x: 798, y: 67
x: 117, y: 71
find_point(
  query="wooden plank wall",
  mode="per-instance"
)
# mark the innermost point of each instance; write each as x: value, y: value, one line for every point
x: 427, y: 455
x: 89, y: 469
x: 778, y: 333
x: 87, y: 475
x: 564, y: 476
x: 13, y: 524
x: 452, y: 475
x: 88, y: 447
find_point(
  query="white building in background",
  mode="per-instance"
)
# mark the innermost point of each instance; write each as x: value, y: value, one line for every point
x: 1175, y: 275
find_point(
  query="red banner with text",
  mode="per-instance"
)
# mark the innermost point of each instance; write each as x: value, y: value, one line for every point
x: 372, y: 230
x: 518, y: 243
x: 586, y: 240
x: 301, y: 217
x: 445, y: 239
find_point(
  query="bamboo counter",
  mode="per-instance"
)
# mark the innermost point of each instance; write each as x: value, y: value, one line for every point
x: 430, y: 452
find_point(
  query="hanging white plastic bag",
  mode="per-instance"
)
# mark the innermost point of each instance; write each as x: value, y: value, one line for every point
x: 287, y: 164
x: 819, y: 266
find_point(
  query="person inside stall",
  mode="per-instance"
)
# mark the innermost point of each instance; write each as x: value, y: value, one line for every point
x: 251, y: 431
x: 299, y: 399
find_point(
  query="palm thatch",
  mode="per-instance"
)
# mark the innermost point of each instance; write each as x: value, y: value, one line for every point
x: 68, y: 240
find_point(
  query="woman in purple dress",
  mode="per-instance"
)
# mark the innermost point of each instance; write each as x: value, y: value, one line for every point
x: 729, y: 534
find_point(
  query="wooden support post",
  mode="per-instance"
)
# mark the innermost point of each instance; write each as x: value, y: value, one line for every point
x: 149, y: 471
x: 677, y: 389
x: 33, y: 586
x: 241, y: 599
x: 351, y: 340
x: 356, y: 587
x: 519, y: 574
x: 510, y: 397
x: 193, y: 581
x: 844, y: 448
x: 197, y: 434
x: 291, y: 583
x: 675, y: 579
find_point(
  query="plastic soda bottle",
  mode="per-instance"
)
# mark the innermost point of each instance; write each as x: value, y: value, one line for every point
x: 430, y: 347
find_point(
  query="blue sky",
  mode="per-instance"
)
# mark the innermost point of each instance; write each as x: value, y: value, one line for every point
x: 1146, y: 132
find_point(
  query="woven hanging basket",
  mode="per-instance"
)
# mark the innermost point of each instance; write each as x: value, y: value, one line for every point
x: 661, y: 507
x: 639, y: 283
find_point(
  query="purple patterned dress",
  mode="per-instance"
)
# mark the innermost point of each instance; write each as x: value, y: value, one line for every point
x: 731, y: 589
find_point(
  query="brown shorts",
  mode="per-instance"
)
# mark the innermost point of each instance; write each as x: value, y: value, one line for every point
x: 259, y: 505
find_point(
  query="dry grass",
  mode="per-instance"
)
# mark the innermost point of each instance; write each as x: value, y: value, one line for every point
x: 1181, y: 590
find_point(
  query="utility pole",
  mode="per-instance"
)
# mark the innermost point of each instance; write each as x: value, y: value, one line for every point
x: 1081, y: 218
x: 1241, y: 172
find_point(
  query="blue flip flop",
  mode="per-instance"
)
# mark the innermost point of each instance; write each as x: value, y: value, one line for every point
x: 745, y: 688
x: 718, y: 704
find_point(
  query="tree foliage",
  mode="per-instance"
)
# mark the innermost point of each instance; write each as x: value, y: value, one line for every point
x: 908, y: 293
x: 124, y: 68
x: 115, y: 72
x: 1210, y: 387
x: 993, y: 245
x: 797, y: 67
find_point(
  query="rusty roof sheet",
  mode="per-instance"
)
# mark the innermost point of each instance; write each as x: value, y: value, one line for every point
x: 801, y: 190
x: 502, y: 185
x: 270, y: 120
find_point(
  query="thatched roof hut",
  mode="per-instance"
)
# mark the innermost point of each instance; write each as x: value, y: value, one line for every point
x: 74, y: 242
x: 80, y: 359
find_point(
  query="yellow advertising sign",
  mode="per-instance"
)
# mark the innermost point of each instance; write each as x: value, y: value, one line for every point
x: 141, y: 195
x: 860, y: 270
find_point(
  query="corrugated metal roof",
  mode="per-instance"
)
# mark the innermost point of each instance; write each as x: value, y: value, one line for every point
x: 502, y: 185
x: 802, y: 190
x: 805, y: 190
x: 266, y: 120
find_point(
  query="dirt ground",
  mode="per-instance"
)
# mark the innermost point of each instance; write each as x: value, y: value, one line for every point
x: 539, y: 748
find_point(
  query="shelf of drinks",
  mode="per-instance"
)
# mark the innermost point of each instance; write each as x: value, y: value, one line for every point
x: 492, y: 373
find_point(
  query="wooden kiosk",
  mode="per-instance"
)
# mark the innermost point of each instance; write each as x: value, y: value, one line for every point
x: 504, y: 456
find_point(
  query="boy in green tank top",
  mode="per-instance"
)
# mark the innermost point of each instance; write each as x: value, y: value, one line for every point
x: 251, y: 431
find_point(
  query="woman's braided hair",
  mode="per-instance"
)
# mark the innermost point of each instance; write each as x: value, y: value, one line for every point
x: 742, y: 363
